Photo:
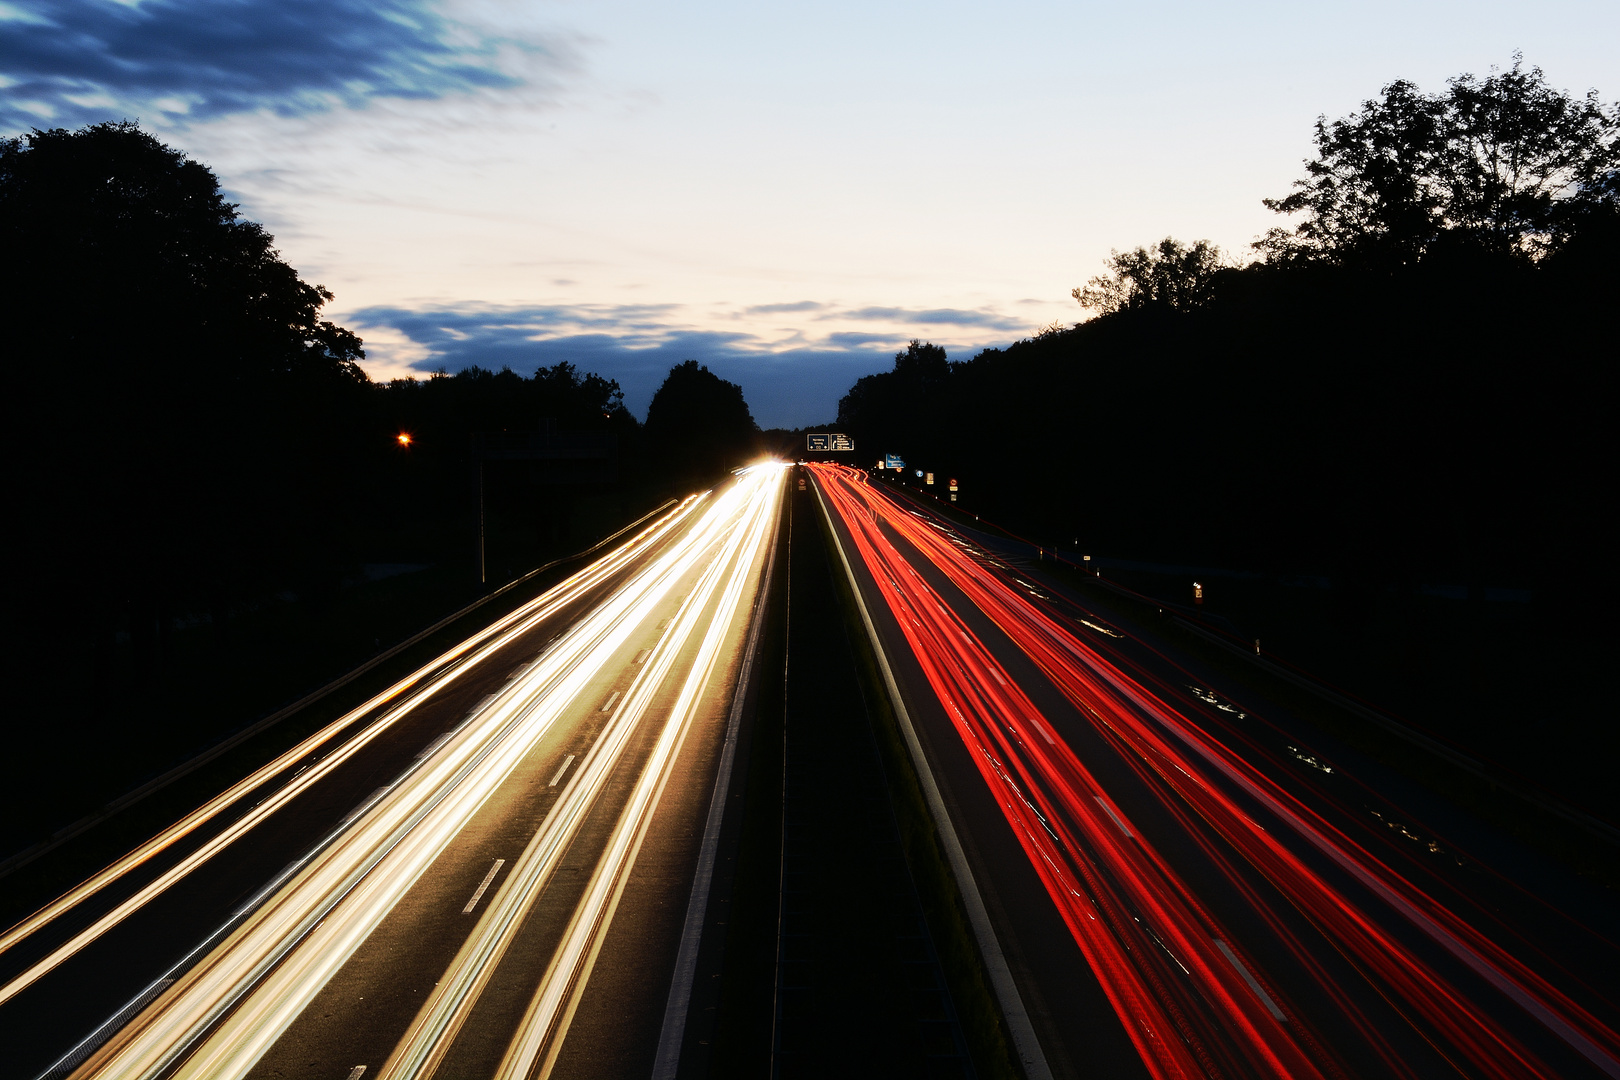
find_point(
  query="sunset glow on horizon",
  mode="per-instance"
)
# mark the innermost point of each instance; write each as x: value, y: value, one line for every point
x: 784, y: 194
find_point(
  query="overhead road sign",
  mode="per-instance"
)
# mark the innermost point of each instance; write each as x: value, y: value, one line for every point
x: 893, y: 461
x: 831, y: 442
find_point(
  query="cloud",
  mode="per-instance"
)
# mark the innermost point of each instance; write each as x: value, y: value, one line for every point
x: 636, y: 344
x: 783, y: 309
x: 854, y: 338
x: 68, y: 62
x: 933, y: 317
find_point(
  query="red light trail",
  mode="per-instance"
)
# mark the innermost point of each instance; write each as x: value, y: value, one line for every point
x: 1192, y: 1000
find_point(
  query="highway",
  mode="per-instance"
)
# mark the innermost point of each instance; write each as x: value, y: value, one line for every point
x: 482, y: 871
x: 1187, y: 885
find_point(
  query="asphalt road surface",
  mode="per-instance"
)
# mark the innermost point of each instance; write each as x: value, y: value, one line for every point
x: 1185, y: 884
x: 497, y: 867
x: 484, y: 871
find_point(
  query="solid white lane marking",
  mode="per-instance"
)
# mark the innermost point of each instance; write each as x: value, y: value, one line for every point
x: 1226, y: 951
x: 435, y: 744
x: 608, y: 705
x: 478, y: 894
x: 365, y: 804
x: 1025, y: 1044
x: 567, y: 761
x: 1117, y: 820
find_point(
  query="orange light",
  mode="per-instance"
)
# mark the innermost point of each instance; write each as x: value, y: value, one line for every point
x: 404, y: 438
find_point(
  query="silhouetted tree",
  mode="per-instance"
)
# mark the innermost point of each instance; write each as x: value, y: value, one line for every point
x: 1413, y: 384
x: 1172, y: 275
x: 896, y: 406
x: 1506, y: 161
x: 185, y: 433
x: 698, y: 424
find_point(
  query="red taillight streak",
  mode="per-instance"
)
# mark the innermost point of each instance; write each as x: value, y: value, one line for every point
x: 995, y: 719
x: 1118, y: 706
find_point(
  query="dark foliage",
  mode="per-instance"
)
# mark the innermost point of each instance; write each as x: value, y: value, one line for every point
x: 178, y: 405
x: 1417, y: 383
x: 700, y: 424
x: 1505, y: 164
x: 190, y: 441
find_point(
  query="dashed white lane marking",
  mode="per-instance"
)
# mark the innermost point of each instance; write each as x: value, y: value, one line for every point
x: 357, y: 1072
x: 642, y: 655
x: 607, y: 706
x: 1124, y: 828
x: 478, y: 893
x: 1226, y: 951
x: 567, y: 761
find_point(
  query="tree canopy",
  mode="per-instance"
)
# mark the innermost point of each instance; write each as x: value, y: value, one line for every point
x: 1507, y: 164
x: 700, y: 422
x: 1413, y: 380
x: 130, y: 245
x: 1171, y: 275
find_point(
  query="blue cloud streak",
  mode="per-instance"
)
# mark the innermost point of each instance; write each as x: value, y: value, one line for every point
x: 791, y: 388
x: 224, y: 56
x: 933, y: 317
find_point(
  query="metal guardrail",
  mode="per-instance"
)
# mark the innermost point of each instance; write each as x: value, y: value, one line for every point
x: 130, y: 798
x: 1482, y: 769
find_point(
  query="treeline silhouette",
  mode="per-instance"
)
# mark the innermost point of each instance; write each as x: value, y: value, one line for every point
x: 1413, y: 381
x: 190, y: 440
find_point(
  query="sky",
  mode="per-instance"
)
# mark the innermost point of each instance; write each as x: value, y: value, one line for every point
x: 786, y: 193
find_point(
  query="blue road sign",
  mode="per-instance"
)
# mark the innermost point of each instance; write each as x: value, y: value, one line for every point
x: 892, y: 461
x: 817, y: 442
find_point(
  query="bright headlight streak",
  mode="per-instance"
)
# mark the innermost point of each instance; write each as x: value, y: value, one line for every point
x: 494, y: 637
x: 356, y: 881
x: 431, y: 1033
x: 568, y: 972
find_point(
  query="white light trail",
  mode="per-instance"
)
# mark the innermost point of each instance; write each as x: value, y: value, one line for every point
x: 435, y: 1027
x: 247, y: 991
x: 544, y: 1022
x: 470, y: 653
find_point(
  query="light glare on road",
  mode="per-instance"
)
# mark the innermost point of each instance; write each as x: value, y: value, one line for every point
x: 220, y: 1016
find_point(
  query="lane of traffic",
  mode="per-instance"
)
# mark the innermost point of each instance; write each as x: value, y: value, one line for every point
x: 1219, y: 798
